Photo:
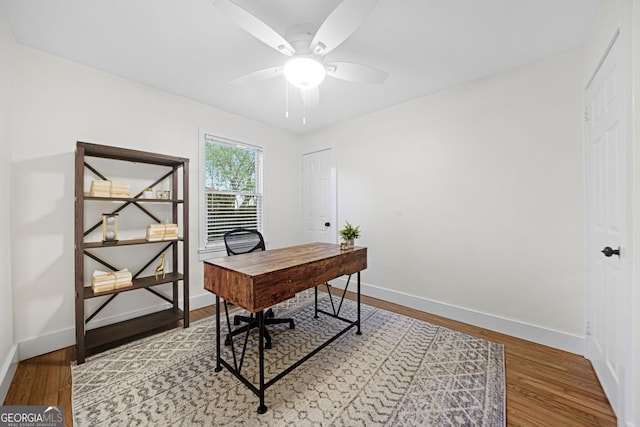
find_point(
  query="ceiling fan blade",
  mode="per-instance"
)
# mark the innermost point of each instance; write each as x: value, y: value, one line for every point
x: 256, y: 76
x: 254, y: 26
x: 310, y: 97
x: 355, y: 72
x: 340, y: 24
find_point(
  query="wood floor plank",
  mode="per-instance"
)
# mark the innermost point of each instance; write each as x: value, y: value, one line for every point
x: 39, y: 384
x: 545, y: 386
x: 576, y: 396
x: 521, y: 412
x: 25, y: 376
x: 563, y: 378
x: 561, y: 383
x: 556, y: 402
x: 52, y: 384
x: 64, y: 400
x: 64, y: 377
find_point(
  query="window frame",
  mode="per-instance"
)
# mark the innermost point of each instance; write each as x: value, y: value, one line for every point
x: 207, y: 249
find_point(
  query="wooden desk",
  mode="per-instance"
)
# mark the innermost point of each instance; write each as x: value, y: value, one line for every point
x: 259, y: 280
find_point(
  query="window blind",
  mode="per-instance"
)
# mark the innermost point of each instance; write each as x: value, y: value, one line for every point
x: 233, y: 187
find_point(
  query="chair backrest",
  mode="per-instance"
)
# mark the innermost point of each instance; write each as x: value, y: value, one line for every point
x: 242, y: 241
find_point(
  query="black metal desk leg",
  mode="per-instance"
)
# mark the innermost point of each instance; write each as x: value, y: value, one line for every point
x: 262, y: 408
x: 218, y: 366
x: 358, y: 332
x: 315, y: 297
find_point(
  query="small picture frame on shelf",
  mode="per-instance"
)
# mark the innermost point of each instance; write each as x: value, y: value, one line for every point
x: 110, y: 228
x: 163, y: 194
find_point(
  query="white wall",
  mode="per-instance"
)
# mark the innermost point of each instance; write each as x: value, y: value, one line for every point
x: 59, y: 102
x: 7, y: 348
x: 471, y: 200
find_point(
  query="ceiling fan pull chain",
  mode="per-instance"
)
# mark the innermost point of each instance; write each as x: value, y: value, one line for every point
x: 286, y: 98
x: 304, y: 107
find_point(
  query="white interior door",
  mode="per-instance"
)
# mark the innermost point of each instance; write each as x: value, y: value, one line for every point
x: 608, y: 282
x: 318, y: 197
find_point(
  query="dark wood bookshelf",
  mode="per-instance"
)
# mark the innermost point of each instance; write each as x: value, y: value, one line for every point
x: 102, y: 336
x: 132, y: 199
x: 139, y: 283
x: 90, y: 245
x: 105, y: 336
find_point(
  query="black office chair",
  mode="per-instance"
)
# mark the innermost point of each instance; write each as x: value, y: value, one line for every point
x: 242, y: 241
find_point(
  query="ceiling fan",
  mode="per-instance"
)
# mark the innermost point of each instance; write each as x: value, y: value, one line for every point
x: 307, y: 67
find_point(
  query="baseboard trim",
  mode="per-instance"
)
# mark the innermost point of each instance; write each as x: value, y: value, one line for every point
x: 43, y: 344
x: 203, y: 300
x: 540, y: 335
x: 66, y: 337
x: 7, y: 371
x: 572, y: 343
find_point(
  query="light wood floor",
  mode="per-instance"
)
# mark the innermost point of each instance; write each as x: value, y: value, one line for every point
x: 545, y: 386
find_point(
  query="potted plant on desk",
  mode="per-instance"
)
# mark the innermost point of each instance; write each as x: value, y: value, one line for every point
x: 349, y: 233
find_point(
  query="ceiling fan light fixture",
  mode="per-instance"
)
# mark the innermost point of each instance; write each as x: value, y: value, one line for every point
x: 304, y: 73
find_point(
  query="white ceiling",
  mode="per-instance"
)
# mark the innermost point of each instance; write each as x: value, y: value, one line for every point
x: 187, y: 47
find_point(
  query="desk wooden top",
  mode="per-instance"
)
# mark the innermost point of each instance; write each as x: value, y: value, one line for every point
x: 258, y: 280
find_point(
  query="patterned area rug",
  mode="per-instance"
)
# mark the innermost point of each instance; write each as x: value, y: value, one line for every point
x: 400, y: 371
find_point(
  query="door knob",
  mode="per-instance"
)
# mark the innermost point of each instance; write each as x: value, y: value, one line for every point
x: 608, y: 251
x: 327, y: 224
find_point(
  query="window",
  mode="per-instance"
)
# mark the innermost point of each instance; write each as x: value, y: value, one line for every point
x: 233, y: 187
